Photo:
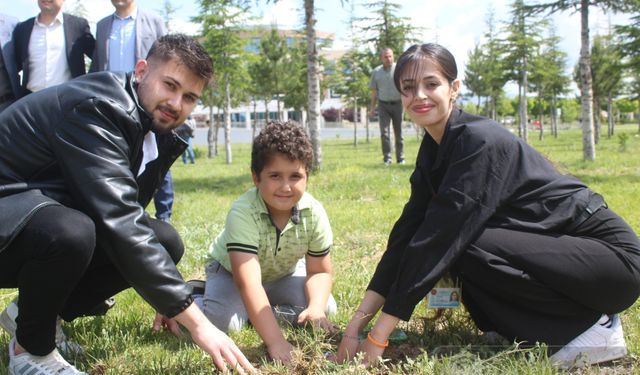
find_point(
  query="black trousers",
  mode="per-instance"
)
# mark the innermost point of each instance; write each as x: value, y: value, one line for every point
x: 59, y: 271
x: 549, y: 288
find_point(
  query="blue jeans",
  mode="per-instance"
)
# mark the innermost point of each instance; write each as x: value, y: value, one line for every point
x: 163, y: 200
x: 188, y: 153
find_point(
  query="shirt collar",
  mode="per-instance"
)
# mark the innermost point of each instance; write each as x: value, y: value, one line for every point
x: 133, y: 15
x: 59, y: 19
x: 303, y: 203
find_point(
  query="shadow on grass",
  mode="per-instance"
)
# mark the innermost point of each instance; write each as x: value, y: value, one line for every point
x: 235, y: 185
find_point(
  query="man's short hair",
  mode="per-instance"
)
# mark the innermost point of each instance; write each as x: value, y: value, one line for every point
x: 186, y: 51
x: 286, y: 138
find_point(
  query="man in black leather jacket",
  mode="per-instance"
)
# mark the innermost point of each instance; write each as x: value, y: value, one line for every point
x: 79, y: 163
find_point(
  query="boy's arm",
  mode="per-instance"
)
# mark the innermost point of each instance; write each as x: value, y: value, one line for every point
x: 317, y: 288
x: 247, y: 277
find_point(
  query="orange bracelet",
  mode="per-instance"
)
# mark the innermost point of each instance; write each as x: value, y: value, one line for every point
x: 377, y: 343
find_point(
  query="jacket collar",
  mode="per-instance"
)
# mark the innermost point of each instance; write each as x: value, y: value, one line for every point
x: 145, y: 118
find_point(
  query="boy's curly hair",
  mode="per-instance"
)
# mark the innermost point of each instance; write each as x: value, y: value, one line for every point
x: 287, y: 138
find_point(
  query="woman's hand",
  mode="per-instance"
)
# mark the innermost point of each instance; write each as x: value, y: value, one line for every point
x: 347, y: 348
x: 317, y: 318
x: 281, y: 352
x: 372, y: 352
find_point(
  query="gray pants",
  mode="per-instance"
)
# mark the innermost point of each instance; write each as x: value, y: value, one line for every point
x: 391, y: 112
x: 223, y: 306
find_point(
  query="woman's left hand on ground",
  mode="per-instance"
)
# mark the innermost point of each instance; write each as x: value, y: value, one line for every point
x: 317, y: 319
x: 170, y: 325
x: 372, y: 353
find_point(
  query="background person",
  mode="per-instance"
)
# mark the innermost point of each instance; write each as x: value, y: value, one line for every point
x: 387, y: 98
x: 9, y: 79
x: 50, y: 48
x: 122, y: 39
x: 539, y: 255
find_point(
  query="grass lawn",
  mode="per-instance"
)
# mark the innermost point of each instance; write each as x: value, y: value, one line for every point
x: 363, y: 199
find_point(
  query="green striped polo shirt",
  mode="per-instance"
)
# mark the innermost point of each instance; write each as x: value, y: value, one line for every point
x: 249, y: 229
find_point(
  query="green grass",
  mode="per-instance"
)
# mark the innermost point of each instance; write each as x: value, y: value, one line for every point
x: 363, y: 199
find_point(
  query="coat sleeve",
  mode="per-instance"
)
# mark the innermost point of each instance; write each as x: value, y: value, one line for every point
x: 469, y: 194
x: 94, y: 155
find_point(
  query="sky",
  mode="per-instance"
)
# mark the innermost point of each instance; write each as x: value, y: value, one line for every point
x: 456, y: 24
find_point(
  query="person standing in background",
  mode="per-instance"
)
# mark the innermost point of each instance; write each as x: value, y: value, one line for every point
x: 9, y: 80
x: 387, y: 98
x: 50, y: 48
x: 122, y: 39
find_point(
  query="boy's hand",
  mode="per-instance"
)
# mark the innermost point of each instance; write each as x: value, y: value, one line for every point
x: 281, y: 352
x: 317, y: 318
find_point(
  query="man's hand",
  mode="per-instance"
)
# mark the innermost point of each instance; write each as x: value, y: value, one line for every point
x: 317, y: 319
x: 214, y: 342
x: 170, y: 325
x: 281, y: 352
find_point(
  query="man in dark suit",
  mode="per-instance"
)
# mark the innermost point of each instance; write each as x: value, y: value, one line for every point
x: 9, y: 85
x: 50, y: 48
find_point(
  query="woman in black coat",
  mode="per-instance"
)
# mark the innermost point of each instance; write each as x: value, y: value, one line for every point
x: 539, y: 256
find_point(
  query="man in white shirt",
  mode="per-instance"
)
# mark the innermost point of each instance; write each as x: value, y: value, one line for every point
x: 50, y: 48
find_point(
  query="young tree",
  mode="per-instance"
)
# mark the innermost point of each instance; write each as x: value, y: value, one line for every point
x: 166, y: 12
x: 274, y: 49
x: 630, y: 47
x: 523, y: 39
x: 385, y: 29
x: 588, y: 141
x: 606, y: 70
x: 221, y: 20
x: 475, y: 74
x: 313, y: 81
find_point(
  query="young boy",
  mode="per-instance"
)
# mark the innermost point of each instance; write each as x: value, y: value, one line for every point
x: 272, y: 258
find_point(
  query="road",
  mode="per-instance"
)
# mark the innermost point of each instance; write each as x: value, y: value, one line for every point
x: 242, y: 135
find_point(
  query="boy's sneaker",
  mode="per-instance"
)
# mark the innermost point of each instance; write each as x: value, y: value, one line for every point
x: 28, y: 364
x: 8, y: 323
x: 198, y: 287
x: 603, y: 342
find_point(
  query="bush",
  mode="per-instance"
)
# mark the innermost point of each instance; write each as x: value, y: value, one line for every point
x: 331, y: 114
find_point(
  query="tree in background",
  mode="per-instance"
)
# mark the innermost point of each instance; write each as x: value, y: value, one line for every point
x: 586, y: 89
x: 630, y: 48
x: 606, y: 72
x: 274, y: 49
x: 522, y: 40
x: 475, y: 74
x: 313, y: 82
x: 221, y: 22
x: 166, y: 12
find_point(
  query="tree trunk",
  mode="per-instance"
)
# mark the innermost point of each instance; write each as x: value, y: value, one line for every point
x: 266, y: 110
x: 586, y: 92
x: 215, y: 132
x: 523, y: 100
x: 355, y: 123
x: 596, y: 119
x: 255, y: 120
x: 554, y: 117
x: 313, y: 82
x: 609, y: 115
x: 227, y: 118
x: 541, y: 135
x: 366, y: 126
x: 211, y: 140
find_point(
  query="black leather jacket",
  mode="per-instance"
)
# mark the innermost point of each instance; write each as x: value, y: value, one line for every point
x: 80, y: 144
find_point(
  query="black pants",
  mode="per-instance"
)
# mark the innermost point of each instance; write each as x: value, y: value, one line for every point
x: 549, y: 288
x: 59, y: 271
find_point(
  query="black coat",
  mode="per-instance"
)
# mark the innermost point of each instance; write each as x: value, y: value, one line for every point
x: 80, y: 144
